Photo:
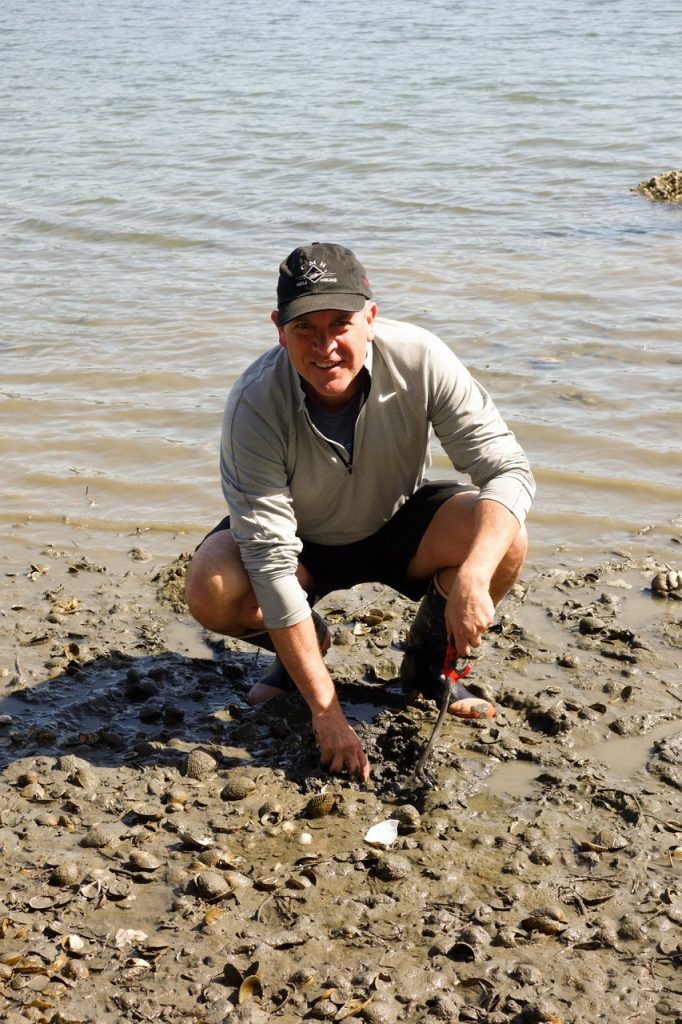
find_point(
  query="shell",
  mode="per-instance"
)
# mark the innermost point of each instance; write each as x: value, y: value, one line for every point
x: 66, y: 874
x: 251, y: 987
x: 196, y: 840
x: 666, y: 582
x: 74, y: 970
x: 237, y: 787
x: 142, y: 860
x: 74, y: 944
x: 384, y: 833
x: 200, y: 764
x: 409, y: 818
x: 270, y: 813
x: 322, y: 804
x: 546, y: 920
x: 211, y: 885
x: 542, y: 853
x: 96, y: 839
x: 607, y: 839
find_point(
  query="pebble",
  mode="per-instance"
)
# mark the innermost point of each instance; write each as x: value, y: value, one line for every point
x: 392, y: 867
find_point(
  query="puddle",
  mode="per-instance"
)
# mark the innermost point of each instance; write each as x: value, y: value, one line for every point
x: 630, y: 753
x: 513, y: 780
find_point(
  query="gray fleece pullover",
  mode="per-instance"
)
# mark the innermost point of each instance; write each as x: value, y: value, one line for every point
x: 284, y: 481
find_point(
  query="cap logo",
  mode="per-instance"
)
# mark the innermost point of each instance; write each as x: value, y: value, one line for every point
x: 314, y: 273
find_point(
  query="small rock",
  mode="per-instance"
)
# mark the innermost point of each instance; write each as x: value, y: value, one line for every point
x: 591, y: 624
x: 393, y: 867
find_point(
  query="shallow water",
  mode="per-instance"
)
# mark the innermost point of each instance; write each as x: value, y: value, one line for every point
x: 159, y: 161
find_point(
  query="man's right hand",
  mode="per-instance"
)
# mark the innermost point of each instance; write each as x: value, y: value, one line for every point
x: 339, y: 746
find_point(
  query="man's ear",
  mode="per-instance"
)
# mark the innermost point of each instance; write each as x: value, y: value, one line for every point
x: 371, y: 313
x: 274, y: 316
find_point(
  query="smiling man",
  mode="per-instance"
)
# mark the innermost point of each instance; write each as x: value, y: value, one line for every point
x: 324, y: 454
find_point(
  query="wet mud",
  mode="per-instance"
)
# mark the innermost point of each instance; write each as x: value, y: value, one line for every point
x: 171, y: 854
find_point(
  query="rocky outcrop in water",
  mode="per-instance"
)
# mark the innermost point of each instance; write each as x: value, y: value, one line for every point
x: 663, y: 188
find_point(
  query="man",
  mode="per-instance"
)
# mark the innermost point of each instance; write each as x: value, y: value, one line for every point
x: 324, y: 449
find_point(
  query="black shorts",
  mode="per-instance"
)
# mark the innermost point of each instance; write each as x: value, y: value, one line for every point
x: 382, y: 557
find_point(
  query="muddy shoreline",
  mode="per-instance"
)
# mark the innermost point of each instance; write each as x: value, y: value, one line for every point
x: 171, y: 854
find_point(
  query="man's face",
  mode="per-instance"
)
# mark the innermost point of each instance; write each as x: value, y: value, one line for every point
x: 327, y: 349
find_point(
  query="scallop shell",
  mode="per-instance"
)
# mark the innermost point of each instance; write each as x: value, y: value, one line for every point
x: 237, y: 788
x: 322, y: 804
x: 200, y: 764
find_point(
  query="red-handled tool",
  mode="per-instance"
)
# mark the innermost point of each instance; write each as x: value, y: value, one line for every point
x: 453, y: 691
x: 456, y: 691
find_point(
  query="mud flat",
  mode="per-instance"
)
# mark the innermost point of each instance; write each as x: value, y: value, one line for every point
x: 170, y: 854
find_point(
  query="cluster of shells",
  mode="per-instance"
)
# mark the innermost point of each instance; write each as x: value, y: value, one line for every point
x: 667, y: 582
x: 663, y: 188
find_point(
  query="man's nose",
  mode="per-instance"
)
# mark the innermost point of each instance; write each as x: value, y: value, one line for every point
x: 325, y: 340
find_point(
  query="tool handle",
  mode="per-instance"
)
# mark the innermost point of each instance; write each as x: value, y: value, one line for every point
x: 450, y: 669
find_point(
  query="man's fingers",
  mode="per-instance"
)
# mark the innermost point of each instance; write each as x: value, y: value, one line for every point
x: 356, y: 763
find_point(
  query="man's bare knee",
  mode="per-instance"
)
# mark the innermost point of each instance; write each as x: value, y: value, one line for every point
x: 217, y: 590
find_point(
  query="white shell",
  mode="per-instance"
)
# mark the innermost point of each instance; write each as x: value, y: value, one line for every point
x: 384, y: 833
x: 128, y: 937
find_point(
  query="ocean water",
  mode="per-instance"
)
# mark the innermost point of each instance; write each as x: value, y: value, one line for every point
x: 159, y: 159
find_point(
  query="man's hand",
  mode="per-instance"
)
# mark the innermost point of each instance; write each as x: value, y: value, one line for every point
x: 339, y: 746
x: 475, y: 585
x: 469, y: 611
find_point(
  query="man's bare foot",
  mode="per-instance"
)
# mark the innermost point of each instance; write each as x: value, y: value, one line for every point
x: 466, y: 705
x: 261, y: 693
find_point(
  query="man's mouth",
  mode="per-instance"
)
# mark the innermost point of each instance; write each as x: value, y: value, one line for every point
x: 326, y: 366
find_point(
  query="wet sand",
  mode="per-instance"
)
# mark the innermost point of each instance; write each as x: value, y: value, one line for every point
x: 161, y: 860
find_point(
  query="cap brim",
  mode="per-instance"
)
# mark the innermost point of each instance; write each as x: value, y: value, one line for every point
x: 349, y: 302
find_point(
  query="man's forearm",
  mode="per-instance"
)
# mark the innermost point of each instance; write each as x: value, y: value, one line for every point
x: 339, y: 746
x: 298, y: 648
